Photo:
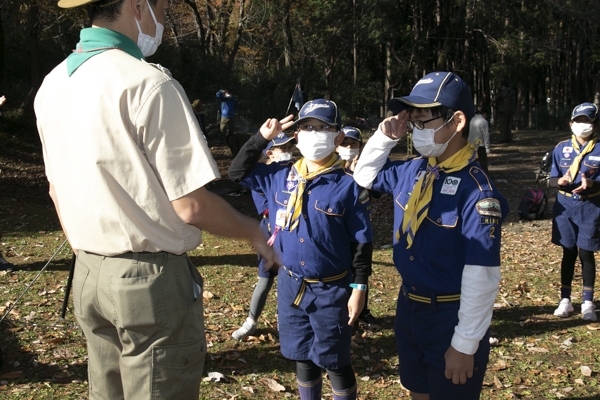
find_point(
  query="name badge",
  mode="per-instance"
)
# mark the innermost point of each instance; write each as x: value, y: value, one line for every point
x: 280, y: 217
x: 450, y: 185
x: 594, y: 158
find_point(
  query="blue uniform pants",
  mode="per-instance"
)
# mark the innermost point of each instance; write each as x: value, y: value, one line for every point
x: 423, y: 335
x: 317, y: 329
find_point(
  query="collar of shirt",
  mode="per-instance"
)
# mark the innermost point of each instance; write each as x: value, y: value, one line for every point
x: 93, y: 41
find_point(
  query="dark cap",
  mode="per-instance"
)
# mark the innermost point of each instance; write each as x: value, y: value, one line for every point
x: 590, y: 110
x: 323, y: 110
x: 279, y: 140
x: 352, y: 133
x: 438, y: 89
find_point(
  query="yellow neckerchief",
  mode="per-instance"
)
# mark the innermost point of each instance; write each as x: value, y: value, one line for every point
x: 300, y: 169
x: 574, y: 168
x: 418, y: 203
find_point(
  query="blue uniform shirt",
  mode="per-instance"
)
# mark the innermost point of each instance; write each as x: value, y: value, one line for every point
x: 462, y: 225
x: 336, y: 212
x: 562, y: 158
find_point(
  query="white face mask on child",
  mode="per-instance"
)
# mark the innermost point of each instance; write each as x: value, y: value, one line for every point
x: 582, y: 129
x: 315, y: 145
x: 424, y: 141
x: 347, y: 153
x: 285, y: 156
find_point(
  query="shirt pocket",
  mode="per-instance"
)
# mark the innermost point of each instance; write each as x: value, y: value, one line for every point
x: 565, y: 163
x: 326, y: 221
x: 444, y: 219
x: 591, y: 164
x: 282, y: 199
x: 402, y: 200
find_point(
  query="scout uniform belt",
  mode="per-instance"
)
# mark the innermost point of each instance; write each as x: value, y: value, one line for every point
x: 304, y: 281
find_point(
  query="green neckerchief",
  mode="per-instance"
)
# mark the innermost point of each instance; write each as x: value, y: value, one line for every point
x: 94, y: 41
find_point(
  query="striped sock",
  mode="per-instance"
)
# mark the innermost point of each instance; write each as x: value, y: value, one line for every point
x: 345, y: 394
x: 310, y: 390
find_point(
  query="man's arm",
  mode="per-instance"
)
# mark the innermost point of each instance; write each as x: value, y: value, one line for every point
x: 52, y: 193
x: 207, y: 211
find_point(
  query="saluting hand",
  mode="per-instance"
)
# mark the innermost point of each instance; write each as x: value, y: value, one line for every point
x: 395, y: 127
x: 272, y: 127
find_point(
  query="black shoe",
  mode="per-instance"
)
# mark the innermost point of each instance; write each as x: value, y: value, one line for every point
x: 367, y: 320
x: 6, y: 266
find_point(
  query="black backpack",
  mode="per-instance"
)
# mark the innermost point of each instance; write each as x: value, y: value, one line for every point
x: 533, y: 205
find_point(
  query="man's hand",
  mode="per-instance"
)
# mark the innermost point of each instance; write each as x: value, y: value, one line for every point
x: 356, y: 303
x: 459, y: 366
x: 395, y: 127
x: 585, y: 184
x: 266, y: 251
x: 272, y: 127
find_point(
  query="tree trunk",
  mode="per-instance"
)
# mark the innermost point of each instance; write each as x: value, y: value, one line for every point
x: 199, y: 26
x: 238, y: 38
x: 287, y: 34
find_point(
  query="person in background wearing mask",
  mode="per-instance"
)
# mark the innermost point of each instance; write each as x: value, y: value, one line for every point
x: 279, y: 150
x: 127, y: 165
x: 321, y: 227
x: 576, y: 173
x: 479, y: 136
x: 447, y: 223
x: 349, y: 151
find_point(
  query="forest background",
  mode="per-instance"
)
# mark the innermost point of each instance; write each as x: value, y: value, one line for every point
x: 358, y: 53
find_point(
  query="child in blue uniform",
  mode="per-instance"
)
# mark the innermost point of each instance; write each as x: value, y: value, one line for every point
x: 447, y: 230
x: 576, y: 172
x: 279, y: 150
x: 322, y: 231
x: 349, y: 151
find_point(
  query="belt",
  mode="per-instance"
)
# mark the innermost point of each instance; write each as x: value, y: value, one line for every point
x: 575, y: 196
x: 302, y: 290
x: 429, y: 300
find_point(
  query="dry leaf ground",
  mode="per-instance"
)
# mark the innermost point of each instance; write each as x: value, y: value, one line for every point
x: 536, y: 355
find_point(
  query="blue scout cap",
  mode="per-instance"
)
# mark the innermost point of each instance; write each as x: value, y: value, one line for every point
x: 590, y: 110
x: 439, y: 89
x: 279, y: 140
x: 352, y: 133
x: 324, y: 110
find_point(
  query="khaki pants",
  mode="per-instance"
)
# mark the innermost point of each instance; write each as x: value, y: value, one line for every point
x: 142, y: 317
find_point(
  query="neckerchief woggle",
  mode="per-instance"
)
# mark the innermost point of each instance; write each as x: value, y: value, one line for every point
x: 418, y: 203
x: 574, y: 168
x: 93, y: 41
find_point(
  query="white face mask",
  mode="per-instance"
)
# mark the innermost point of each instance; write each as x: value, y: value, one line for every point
x: 347, y: 153
x: 285, y: 156
x: 582, y: 129
x: 147, y: 43
x: 315, y: 145
x: 424, y: 141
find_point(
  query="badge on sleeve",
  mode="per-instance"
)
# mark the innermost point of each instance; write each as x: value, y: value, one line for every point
x: 489, y: 207
x: 364, y: 197
x: 450, y: 185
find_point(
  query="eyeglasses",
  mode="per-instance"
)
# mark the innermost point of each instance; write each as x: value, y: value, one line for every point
x: 420, y: 124
x: 311, y: 128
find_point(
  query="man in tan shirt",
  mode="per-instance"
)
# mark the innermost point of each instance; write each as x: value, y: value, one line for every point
x: 127, y: 165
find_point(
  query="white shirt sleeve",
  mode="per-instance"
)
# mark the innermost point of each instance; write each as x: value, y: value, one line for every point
x: 479, y: 289
x: 372, y: 158
x: 485, y: 133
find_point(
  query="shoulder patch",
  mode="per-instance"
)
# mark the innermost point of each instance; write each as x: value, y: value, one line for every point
x: 489, y: 207
x: 482, y: 179
x: 364, y: 196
